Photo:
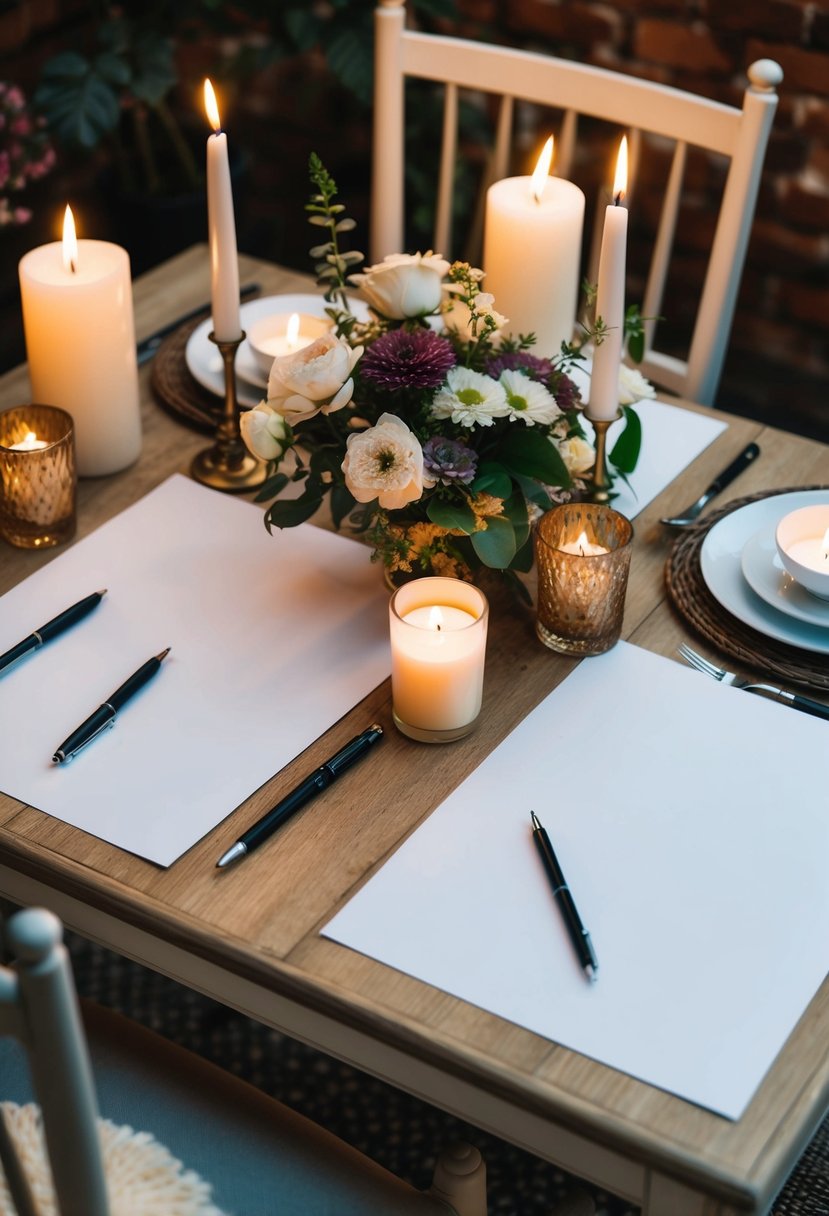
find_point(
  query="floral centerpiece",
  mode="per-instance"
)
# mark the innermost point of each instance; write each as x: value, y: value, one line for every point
x: 428, y: 432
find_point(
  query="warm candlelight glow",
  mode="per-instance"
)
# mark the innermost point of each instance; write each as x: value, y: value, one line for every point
x: 70, y: 241
x: 435, y: 618
x: 620, y: 181
x: 30, y: 443
x: 292, y: 331
x: 542, y: 170
x: 211, y: 106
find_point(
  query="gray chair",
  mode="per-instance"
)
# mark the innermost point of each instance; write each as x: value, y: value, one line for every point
x: 258, y: 1156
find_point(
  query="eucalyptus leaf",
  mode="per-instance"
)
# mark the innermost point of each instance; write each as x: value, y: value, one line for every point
x: 495, y: 545
x: 346, y: 225
x: 342, y: 503
x: 453, y: 515
x: 492, y: 478
x: 320, y: 251
x: 270, y: 488
x: 531, y: 453
x: 515, y: 509
x: 625, y: 452
x: 288, y: 513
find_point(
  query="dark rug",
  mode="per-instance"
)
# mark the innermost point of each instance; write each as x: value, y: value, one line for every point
x: 398, y: 1131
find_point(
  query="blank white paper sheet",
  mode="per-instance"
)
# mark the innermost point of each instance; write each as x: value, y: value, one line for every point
x: 671, y: 439
x: 273, y: 639
x: 690, y: 820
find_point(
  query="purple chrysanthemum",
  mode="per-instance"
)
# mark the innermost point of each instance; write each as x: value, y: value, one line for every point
x: 449, y: 461
x: 566, y: 392
x: 520, y: 361
x: 403, y: 358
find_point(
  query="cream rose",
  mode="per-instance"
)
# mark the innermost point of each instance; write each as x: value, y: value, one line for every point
x: 458, y: 318
x: 633, y: 386
x: 313, y: 380
x: 404, y: 284
x: 577, y: 454
x: 386, y: 463
x: 265, y: 432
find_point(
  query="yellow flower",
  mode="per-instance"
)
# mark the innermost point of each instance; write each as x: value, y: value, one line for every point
x: 485, y: 506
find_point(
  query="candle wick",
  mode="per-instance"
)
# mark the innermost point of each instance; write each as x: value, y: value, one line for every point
x: 617, y: 199
x: 72, y: 265
x: 438, y: 628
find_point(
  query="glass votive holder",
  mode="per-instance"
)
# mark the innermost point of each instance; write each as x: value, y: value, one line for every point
x: 438, y: 644
x: 582, y: 553
x: 38, y: 479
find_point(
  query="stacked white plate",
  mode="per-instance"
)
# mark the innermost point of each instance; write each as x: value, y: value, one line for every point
x: 743, y: 572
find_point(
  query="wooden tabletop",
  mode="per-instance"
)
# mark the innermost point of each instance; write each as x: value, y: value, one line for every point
x: 251, y: 935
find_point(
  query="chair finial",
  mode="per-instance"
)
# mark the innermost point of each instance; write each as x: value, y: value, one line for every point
x: 765, y: 75
x: 33, y: 933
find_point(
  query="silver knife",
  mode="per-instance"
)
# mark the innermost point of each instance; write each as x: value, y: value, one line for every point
x: 148, y: 346
x: 746, y: 457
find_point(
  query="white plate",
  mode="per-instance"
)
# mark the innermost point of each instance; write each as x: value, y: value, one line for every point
x: 720, y: 561
x: 205, y: 362
x: 765, y: 574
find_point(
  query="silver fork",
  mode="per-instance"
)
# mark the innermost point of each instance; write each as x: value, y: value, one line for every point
x: 792, y: 699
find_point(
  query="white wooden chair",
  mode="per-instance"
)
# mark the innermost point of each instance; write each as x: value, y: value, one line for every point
x: 639, y: 106
x: 258, y: 1156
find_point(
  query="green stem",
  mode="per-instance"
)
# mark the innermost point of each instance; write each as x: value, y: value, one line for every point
x: 145, y: 151
x: 183, y: 149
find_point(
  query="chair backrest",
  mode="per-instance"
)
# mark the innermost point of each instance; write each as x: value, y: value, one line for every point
x: 39, y: 1006
x: 640, y: 106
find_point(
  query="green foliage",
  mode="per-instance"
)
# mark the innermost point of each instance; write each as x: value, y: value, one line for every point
x: 448, y: 513
x: 530, y: 453
x: 626, y: 449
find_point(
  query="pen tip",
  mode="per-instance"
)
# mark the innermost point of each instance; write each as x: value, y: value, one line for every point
x: 164, y: 654
x: 535, y: 820
x: 103, y: 593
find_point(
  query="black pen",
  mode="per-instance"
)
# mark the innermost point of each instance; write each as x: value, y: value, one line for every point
x: 319, y: 780
x: 69, y: 616
x: 561, y: 892
x: 106, y: 714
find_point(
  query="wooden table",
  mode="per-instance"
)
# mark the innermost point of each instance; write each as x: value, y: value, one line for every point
x: 250, y: 937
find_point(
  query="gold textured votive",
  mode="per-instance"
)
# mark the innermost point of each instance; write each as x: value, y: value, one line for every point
x: 582, y: 553
x: 38, y: 478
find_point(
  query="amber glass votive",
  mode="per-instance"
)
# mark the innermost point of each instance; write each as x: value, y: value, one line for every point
x: 37, y: 476
x: 582, y: 554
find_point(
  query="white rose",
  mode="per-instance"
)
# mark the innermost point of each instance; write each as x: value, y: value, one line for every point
x: 265, y: 432
x: 577, y: 454
x: 458, y: 318
x: 633, y: 386
x: 386, y: 463
x: 404, y: 284
x: 316, y: 378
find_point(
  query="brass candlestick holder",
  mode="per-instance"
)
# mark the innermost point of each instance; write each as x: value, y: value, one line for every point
x: 600, y: 483
x: 228, y: 465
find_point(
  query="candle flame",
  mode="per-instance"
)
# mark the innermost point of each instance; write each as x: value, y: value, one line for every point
x: 435, y: 618
x: 70, y: 241
x: 542, y: 169
x: 620, y: 181
x: 582, y: 542
x: 30, y: 438
x: 211, y: 106
x: 292, y: 329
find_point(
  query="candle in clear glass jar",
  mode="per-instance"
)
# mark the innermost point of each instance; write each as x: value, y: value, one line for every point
x: 438, y: 644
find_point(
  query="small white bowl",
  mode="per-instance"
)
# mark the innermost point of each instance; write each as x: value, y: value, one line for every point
x: 802, y: 539
x: 267, y: 337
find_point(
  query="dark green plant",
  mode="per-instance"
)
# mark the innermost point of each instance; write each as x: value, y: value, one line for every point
x: 119, y: 92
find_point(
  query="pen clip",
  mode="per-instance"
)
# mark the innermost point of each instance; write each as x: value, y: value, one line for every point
x: 98, y: 730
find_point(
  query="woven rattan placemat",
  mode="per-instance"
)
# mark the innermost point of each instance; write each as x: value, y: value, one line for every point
x: 175, y: 388
x: 695, y: 603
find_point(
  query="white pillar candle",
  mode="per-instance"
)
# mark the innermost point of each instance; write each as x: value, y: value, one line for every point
x: 438, y: 645
x: 610, y: 300
x: 221, y: 224
x: 532, y: 254
x: 80, y: 345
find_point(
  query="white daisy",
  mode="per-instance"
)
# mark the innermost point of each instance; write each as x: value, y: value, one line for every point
x: 469, y: 398
x: 527, y: 399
